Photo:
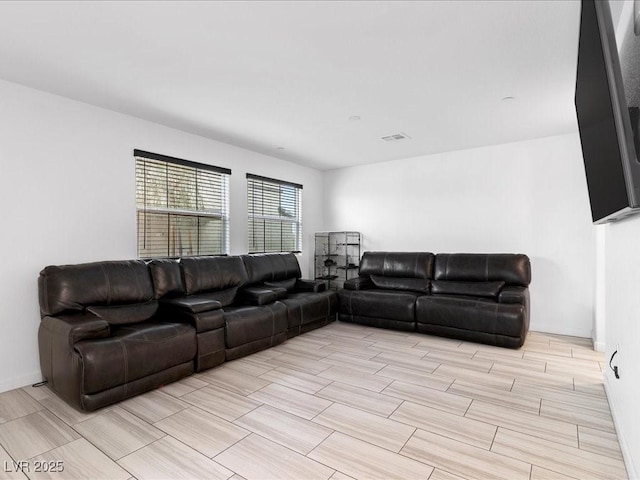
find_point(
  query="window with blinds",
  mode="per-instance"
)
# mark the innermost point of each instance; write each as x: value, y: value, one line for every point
x: 182, y: 207
x: 275, y: 215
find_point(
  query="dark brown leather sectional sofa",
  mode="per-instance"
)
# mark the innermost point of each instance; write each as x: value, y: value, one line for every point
x: 476, y: 297
x: 111, y: 330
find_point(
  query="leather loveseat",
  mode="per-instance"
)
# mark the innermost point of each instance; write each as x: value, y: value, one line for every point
x: 112, y: 330
x: 476, y: 297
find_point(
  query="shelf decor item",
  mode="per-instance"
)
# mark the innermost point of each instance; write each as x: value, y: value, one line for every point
x: 337, y: 257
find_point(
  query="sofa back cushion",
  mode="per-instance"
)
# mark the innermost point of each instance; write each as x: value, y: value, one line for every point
x: 213, y: 274
x: 271, y: 267
x: 397, y: 264
x: 103, y: 284
x: 167, y: 278
x: 401, y: 283
x: 473, y: 289
x: 513, y: 269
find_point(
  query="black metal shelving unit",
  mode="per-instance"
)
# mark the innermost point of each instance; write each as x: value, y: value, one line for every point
x: 337, y: 257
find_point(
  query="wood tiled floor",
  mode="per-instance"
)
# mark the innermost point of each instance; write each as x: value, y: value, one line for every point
x: 341, y: 402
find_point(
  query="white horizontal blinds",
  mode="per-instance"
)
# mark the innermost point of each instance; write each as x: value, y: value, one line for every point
x: 183, y: 207
x: 275, y: 215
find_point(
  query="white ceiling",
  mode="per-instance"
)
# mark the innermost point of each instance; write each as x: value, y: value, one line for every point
x: 263, y: 75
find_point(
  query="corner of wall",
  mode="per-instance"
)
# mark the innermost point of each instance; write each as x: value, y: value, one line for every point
x: 599, y: 346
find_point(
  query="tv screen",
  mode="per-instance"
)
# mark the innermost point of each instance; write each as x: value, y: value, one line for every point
x: 606, y: 89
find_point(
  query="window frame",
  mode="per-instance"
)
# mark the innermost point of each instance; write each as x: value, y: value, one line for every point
x: 144, y: 208
x: 252, y: 182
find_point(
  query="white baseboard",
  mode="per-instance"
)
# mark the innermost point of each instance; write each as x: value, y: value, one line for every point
x: 564, y: 331
x: 21, y: 381
x: 599, y: 346
x: 632, y: 473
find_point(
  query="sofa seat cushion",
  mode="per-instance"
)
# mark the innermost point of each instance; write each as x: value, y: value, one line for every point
x: 389, y: 304
x: 304, y: 308
x: 125, y: 314
x: 289, y: 284
x: 133, y: 352
x: 192, y: 304
x: 488, y: 300
x: 247, y: 324
x: 473, y: 289
x: 261, y: 296
x: 420, y: 285
x: 474, y: 314
x: 225, y: 297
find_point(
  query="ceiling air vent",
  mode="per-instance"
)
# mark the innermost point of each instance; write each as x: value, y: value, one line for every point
x: 396, y: 137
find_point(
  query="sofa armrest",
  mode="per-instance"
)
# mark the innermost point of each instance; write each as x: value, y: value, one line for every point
x: 359, y: 283
x: 261, y: 296
x: 512, y: 294
x: 75, y: 327
x: 60, y: 363
x: 315, y: 286
x: 190, y: 305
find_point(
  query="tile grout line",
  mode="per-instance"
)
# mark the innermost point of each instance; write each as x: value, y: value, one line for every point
x: 395, y: 410
x: 547, y: 467
x: 86, y: 439
x: 495, y: 434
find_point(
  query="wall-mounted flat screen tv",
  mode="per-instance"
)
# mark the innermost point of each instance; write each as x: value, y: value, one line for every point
x: 607, y: 94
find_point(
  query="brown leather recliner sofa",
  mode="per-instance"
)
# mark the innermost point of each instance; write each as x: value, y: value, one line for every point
x: 476, y: 297
x: 112, y: 330
x: 101, y: 338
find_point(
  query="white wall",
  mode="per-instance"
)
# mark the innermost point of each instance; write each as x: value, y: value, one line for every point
x: 600, y: 300
x: 526, y: 197
x: 67, y: 190
x: 622, y: 293
x: 620, y: 281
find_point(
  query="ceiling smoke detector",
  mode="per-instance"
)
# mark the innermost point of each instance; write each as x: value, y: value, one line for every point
x: 396, y: 137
